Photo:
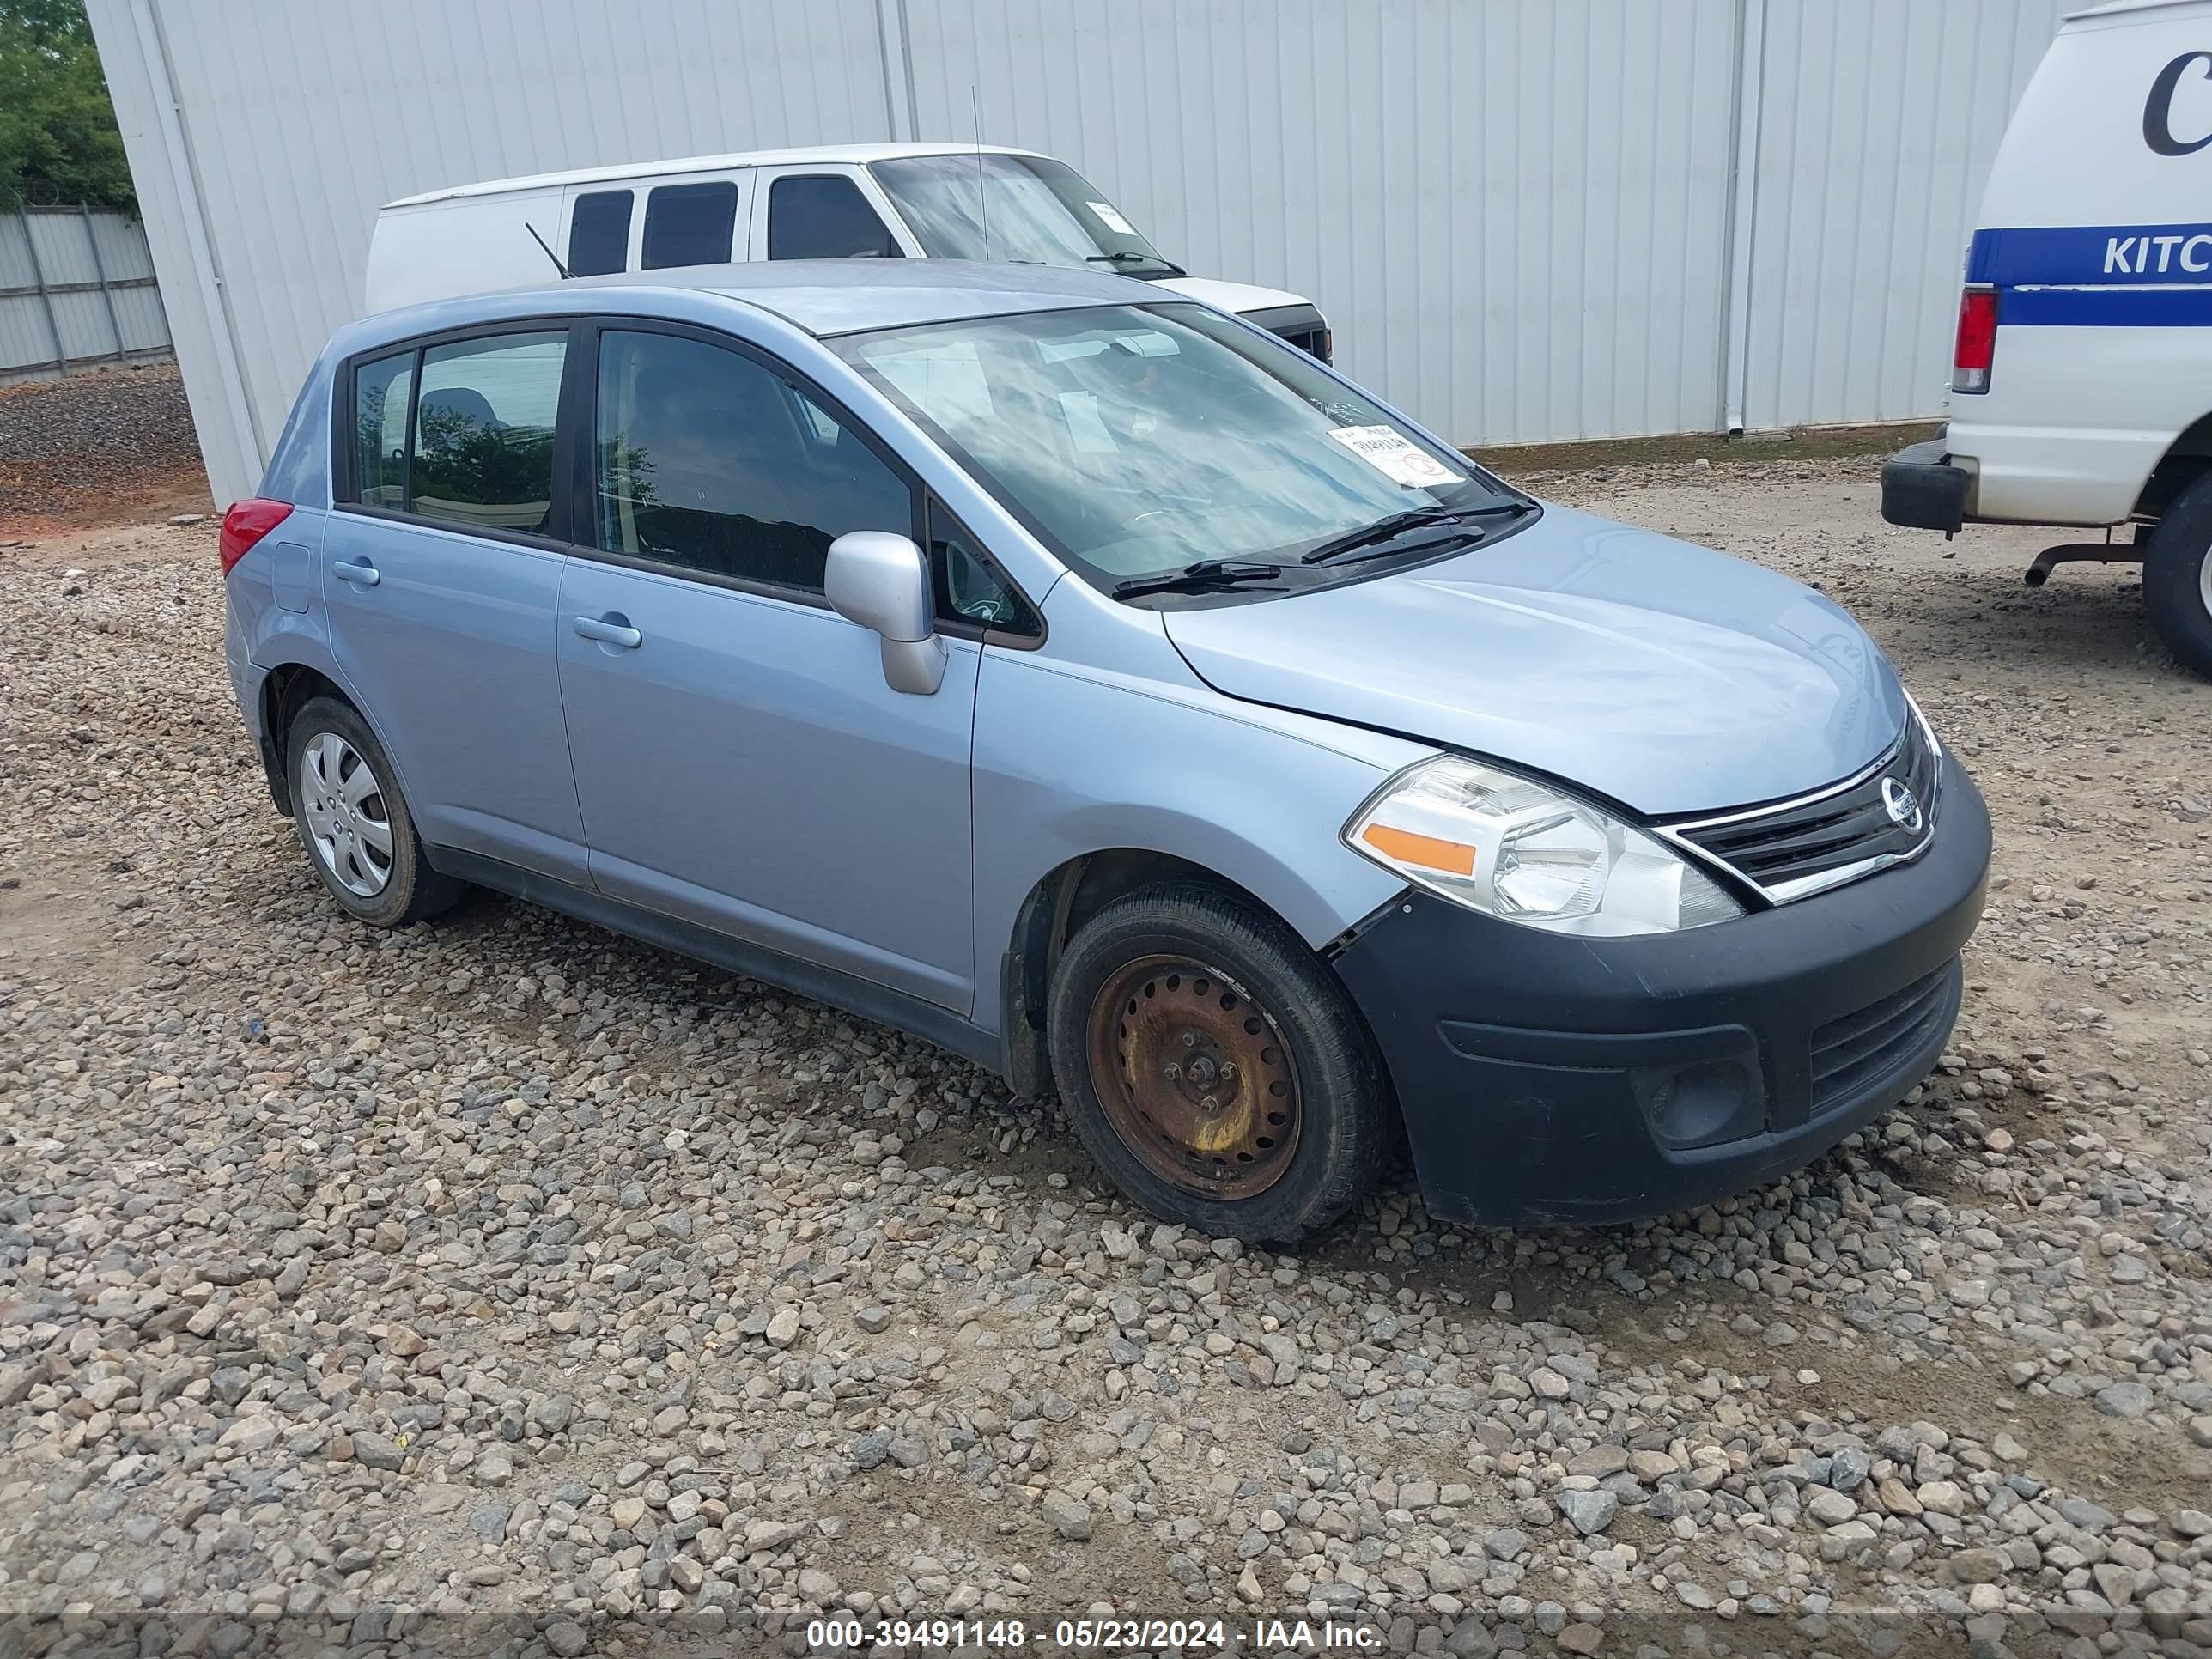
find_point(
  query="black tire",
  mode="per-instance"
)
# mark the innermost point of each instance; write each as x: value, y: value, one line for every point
x: 411, y: 890
x: 2178, y: 578
x: 1345, y: 1123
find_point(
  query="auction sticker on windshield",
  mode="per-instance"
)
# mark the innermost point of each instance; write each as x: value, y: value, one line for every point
x: 1391, y: 452
x: 1111, y: 219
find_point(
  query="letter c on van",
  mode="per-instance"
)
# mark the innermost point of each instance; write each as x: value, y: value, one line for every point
x: 2158, y: 109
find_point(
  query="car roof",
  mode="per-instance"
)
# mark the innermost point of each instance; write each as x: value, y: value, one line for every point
x: 847, y: 297
x: 823, y: 297
x: 842, y: 155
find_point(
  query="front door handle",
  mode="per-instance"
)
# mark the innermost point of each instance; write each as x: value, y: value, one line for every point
x: 613, y: 628
x: 363, y: 574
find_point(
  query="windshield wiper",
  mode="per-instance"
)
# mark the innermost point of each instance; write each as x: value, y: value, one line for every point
x: 1167, y: 267
x: 1394, y: 525
x: 1199, y: 578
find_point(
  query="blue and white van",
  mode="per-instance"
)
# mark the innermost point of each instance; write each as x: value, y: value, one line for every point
x: 2082, y: 385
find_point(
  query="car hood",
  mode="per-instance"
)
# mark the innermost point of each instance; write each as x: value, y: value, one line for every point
x: 1670, y: 678
x: 1239, y: 297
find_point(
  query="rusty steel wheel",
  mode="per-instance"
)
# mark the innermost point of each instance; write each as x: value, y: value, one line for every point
x: 1195, y: 1077
x: 1215, y: 1068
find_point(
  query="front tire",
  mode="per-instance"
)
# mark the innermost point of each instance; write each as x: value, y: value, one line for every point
x: 1215, y: 1069
x: 354, y: 823
x: 2178, y: 578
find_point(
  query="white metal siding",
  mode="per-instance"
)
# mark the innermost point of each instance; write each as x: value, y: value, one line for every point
x: 1512, y: 214
x: 1517, y: 214
x: 1878, y: 122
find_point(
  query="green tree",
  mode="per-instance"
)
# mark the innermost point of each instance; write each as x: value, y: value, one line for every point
x: 58, y: 141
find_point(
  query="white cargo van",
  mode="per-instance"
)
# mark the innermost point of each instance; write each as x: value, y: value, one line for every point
x: 2082, y: 385
x: 846, y: 201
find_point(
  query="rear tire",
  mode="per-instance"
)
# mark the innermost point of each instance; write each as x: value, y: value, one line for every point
x: 353, y: 821
x: 2178, y: 578
x: 1215, y: 1068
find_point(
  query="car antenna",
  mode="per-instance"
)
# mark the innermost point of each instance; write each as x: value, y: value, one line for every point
x: 982, y: 202
x: 550, y: 253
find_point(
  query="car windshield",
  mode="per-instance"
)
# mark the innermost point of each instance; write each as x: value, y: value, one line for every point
x: 1136, y: 441
x: 1017, y: 209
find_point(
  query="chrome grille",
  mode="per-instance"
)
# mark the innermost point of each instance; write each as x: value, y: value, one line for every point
x: 1797, y: 847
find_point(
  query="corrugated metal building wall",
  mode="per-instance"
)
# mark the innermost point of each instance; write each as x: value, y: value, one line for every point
x: 1526, y: 219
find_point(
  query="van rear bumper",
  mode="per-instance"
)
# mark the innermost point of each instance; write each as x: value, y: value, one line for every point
x: 1921, y: 488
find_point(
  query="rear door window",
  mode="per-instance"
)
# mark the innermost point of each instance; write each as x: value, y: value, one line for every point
x: 483, y: 454
x: 599, y: 234
x: 824, y: 216
x: 689, y: 224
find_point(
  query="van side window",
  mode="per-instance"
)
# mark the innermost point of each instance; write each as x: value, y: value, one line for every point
x: 968, y: 589
x: 824, y: 216
x: 382, y: 392
x: 709, y: 460
x: 599, y: 234
x: 483, y: 432
x: 689, y: 225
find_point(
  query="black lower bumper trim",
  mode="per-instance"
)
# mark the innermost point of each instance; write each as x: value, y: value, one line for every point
x: 1921, y: 490
x: 1550, y: 1078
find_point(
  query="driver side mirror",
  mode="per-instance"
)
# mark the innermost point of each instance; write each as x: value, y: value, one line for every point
x: 880, y: 580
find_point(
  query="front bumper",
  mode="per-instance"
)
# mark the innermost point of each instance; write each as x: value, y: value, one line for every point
x: 1545, y: 1077
x: 1922, y: 490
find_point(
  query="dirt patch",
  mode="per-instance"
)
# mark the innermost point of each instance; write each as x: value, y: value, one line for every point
x: 110, y: 447
x: 1530, y: 462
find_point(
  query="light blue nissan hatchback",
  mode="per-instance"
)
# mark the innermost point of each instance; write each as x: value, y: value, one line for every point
x: 1084, y: 680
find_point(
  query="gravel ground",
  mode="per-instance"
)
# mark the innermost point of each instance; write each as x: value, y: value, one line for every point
x: 505, y: 1281
x: 70, y: 449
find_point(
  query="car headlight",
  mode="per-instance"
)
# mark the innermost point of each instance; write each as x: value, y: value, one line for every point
x: 1520, y: 850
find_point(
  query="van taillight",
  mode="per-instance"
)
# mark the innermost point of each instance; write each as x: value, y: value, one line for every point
x: 247, y: 523
x: 1977, y: 340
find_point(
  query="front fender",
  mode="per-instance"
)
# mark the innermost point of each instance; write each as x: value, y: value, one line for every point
x: 1068, y: 763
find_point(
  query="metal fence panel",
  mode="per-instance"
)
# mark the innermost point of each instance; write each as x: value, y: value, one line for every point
x: 77, y: 288
x: 61, y: 244
x: 16, y: 269
x: 25, y: 341
x: 120, y: 242
x: 145, y: 326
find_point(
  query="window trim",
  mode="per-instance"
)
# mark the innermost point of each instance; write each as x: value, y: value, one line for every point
x: 345, y: 494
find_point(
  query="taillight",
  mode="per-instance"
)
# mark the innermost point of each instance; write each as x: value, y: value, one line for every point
x: 1977, y: 340
x: 247, y: 523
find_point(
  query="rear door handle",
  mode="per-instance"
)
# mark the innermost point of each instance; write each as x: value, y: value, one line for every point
x: 363, y: 574
x: 613, y: 628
